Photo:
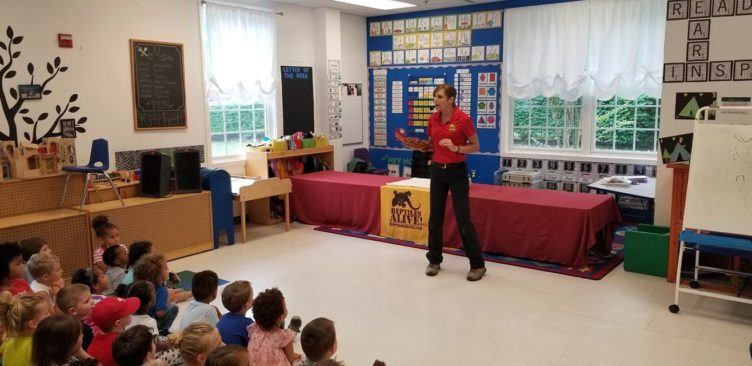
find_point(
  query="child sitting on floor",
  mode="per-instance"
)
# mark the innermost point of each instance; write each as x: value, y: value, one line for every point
x: 107, y: 235
x: 144, y: 291
x: 20, y: 317
x: 271, y: 345
x: 135, y: 252
x: 204, y: 290
x: 30, y: 247
x: 111, y: 315
x: 75, y: 300
x: 134, y: 347
x: 93, y: 278
x: 237, y: 298
x: 12, y: 269
x: 153, y: 268
x: 57, y: 341
x: 232, y: 355
x: 197, y: 341
x: 47, y: 273
x: 116, y: 259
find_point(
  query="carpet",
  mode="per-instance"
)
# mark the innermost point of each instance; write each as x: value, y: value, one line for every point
x: 596, y: 269
x: 186, y: 279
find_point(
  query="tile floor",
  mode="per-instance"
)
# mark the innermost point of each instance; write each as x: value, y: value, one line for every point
x: 384, y: 307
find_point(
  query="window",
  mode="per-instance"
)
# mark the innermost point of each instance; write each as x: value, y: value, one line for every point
x: 615, y: 126
x: 239, y: 48
x: 548, y: 123
x: 627, y: 125
x: 235, y: 126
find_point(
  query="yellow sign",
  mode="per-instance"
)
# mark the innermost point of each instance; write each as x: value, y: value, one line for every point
x: 404, y: 213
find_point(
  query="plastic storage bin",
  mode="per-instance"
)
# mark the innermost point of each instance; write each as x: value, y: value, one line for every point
x: 646, y: 250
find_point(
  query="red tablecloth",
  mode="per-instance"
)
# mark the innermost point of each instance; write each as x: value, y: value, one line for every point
x: 551, y: 226
x: 344, y: 200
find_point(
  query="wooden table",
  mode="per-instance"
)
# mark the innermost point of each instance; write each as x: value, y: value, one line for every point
x: 245, y: 190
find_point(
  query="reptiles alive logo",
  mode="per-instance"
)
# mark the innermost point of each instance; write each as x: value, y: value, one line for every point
x: 404, y: 213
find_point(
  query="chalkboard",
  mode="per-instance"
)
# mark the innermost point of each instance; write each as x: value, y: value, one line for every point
x: 297, y: 99
x: 158, y: 85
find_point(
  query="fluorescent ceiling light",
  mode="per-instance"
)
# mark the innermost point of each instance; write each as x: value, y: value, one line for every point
x: 379, y: 4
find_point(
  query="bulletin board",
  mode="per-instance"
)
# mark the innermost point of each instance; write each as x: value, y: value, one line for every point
x: 410, y: 54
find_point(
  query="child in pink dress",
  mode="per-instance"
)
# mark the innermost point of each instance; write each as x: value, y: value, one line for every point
x: 270, y: 345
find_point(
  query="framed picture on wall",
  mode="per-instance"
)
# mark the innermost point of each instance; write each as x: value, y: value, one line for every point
x: 464, y: 38
x: 437, y: 55
x: 493, y: 19
x: 450, y: 39
x: 492, y: 53
x: 465, y: 21
x: 399, y: 57
x: 375, y: 29
x: 463, y: 54
x: 386, y: 28
x: 398, y: 42
x: 437, y: 23
x: 450, y: 55
x: 450, y: 22
x: 411, y: 25
x: 479, y: 20
x: 424, y: 24
x: 437, y: 39
x: 374, y: 58
x: 411, y: 40
x: 424, y: 40
x: 423, y: 56
x: 411, y: 56
x: 399, y: 26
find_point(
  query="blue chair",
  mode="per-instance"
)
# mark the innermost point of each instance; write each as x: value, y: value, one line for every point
x: 217, y: 181
x: 99, y: 163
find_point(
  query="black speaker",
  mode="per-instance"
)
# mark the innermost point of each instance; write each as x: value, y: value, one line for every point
x: 155, y: 174
x: 187, y: 171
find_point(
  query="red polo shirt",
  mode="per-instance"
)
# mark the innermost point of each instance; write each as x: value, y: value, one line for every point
x: 459, y: 129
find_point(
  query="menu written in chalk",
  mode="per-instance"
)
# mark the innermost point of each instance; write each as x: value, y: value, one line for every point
x: 158, y: 85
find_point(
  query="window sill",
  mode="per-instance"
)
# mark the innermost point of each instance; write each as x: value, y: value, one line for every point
x: 638, y: 159
x: 228, y: 160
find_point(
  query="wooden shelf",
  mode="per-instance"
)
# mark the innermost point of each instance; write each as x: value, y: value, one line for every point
x: 299, y: 152
x: 257, y: 162
x: 37, y: 217
x: 135, y: 201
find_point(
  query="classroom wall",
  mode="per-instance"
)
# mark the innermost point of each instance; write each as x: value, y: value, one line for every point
x: 723, y: 45
x: 353, y: 40
x: 99, y: 63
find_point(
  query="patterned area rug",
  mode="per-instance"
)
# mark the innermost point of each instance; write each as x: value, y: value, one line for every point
x: 596, y: 269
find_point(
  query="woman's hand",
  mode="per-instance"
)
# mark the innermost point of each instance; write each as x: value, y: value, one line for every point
x: 447, y: 143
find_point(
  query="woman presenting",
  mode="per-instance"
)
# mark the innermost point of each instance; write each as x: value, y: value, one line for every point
x: 451, y: 135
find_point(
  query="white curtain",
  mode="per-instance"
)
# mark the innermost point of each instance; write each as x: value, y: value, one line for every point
x: 239, y: 52
x: 599, y: 48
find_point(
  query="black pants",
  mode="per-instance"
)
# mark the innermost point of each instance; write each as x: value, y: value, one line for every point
x: 443, y: 181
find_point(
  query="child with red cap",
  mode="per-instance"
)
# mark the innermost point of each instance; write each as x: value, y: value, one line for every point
x: 111, y: 315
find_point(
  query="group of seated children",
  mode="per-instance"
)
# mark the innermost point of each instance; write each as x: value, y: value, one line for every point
x: 120, y: 312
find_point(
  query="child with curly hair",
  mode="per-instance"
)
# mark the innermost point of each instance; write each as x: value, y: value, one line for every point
x: 270, y: 345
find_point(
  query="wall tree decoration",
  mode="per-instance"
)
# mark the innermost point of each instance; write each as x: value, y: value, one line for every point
x: 12, y: 103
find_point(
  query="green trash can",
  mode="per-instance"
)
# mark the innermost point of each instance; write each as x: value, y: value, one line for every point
x: 646, y: 250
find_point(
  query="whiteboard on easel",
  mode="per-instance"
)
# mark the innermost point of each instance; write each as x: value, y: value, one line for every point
x: 352, y: 113
x: 719, y: 192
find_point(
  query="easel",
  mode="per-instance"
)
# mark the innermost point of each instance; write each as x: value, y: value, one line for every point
x: 714, y: 237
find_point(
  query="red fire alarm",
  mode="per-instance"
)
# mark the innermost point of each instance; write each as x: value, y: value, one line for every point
x: 65, y: 40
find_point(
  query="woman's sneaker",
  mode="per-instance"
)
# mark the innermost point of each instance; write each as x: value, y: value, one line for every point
x: 432, y: 269
x: 476, y: 274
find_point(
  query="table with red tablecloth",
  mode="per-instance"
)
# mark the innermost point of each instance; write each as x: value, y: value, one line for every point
x: 550, y: 226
